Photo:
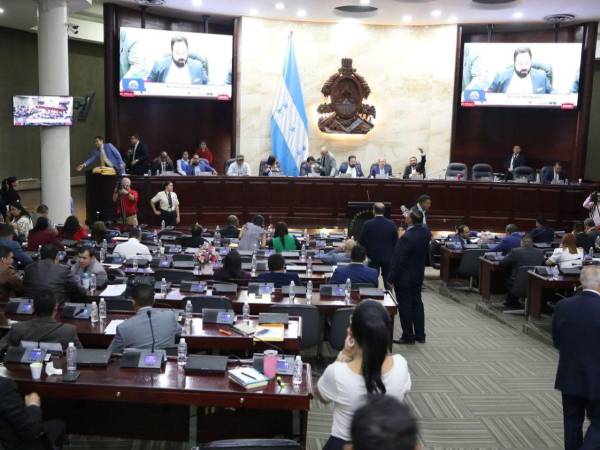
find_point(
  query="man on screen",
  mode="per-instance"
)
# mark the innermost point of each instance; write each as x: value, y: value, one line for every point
x: 522, y: 78
x: 179, y: 67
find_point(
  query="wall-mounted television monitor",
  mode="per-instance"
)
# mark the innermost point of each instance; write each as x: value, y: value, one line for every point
x: 42, y: 111
x: 162, y: 63
x: 521, y: 75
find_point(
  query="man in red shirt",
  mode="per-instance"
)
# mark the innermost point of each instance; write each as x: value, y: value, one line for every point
x: 204, y: 152
x: 126, y: 202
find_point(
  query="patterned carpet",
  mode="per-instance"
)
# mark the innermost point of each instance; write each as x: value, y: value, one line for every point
x: 477, y: 384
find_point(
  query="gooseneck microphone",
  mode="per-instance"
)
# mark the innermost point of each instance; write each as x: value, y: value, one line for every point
x: 151, y: 328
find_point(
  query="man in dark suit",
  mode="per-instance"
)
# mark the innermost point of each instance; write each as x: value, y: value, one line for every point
x: 162, y: 164
x: 381, y: 168
x: 424, y: 205
x: 43, y: 327
x: 21, y: 423
x: 526, y: 255
x: 576, y: 335
x: 512, y: 240
x: 6, y: 240
x: 307, y: 166
x: 277, y: 274
x: 542, y: 232
x: 352, y: 168
x: 179, y: 67
x: 558, y: 175
x: 582, y: 239
x: 135, y: 332
x: 522, y: 78
x: 513, y: 161
x: 356, y: 271
x: 232, y: 229
x: 407, y: 271
x: 48, y: 274
x: 461, y: 237
x: 378, y: 237
x: 592, y: 232
x: 137, y: 156
x: 414, y: 167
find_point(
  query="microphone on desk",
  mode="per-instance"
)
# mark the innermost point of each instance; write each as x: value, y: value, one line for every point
x: 151, y: 328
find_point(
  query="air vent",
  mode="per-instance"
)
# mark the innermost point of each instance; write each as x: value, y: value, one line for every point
x: 493, y: 2
x: 559, y: 18
x: 151, y: 2
x: 356, y: 9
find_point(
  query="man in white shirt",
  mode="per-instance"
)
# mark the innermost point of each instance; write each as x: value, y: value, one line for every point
x: 351, y: 168
x: 168, y: 204
x: 239, y: 168
x: 133, y: 248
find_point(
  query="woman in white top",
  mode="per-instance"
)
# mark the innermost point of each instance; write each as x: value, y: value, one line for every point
x: 363, y: 368
x: 183, y: 163
x: 21, y: 221
x: 568, y: 254
x: 168, y: 205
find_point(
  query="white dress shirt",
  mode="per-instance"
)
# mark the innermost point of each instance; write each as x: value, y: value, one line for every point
x: 163, y: 199
x: 133, y: 249
x: 520, y: 85
x: 235, y: 170
x: 565, y: 259
x: 179, y: 75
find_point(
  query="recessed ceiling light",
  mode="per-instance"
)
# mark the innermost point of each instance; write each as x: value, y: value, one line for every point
x: 254, y: 12
x: 518, y: 15
x: 436, y: 13
x: 301, y: 13
x: 452, y: 19
x: 1, y: 11
x: 279, y: 5
x: 406, y: 18
x: 197, y: 2
x: 365, y: 2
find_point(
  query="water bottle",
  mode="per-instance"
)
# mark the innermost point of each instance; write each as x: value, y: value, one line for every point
x: 94, y: 313
x: 189, y: 311
x: 71, y: 357
x: 303, y: 253
x: 347, y: 291
x: 246, y: 313
x: 297, y: 377
x: 102, y: 309
x: 292, y: 291
x: 161, y: 249
x: 85, y: 281
x: 92, y: 283
x: 309, y: 266
x: 306, y: 237
x: 253, y: 265
x: 309, y: 291
x: 591, y: 253
x: 181, y: 352
x: 163, y: 287
x: 217, y: 237
x: 555, y: 272
x: 39, y: 250
x: 102, y: 253
x: 162, y: 224
x: 537, y: 177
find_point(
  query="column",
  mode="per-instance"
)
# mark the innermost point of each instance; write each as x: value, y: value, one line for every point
x: 53, y: 74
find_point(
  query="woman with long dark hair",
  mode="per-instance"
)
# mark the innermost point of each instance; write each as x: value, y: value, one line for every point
x: 363, y: 368
x: 73, y: 230
x: 232, y: 268
x: 20, y: 220
x: 42, y: 234
x: 283, y: 241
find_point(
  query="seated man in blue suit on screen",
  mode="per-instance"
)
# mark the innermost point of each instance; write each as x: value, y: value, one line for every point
x: 277, y: 274
x: 382, y: 168
x: 357, y: 271
x: 351, y: 168
x: 178, y: 67
x: 512, y: 240
x: 198, y: 165
x: 522, y: 78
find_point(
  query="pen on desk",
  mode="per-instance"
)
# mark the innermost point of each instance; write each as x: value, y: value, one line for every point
x: 225, y: 332
x: 248, y: 375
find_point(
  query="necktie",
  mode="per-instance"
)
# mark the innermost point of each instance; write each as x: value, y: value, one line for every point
x: 512, y: 162
x: 134, y: 149
x: 170, y: 201
x: 162, y: 167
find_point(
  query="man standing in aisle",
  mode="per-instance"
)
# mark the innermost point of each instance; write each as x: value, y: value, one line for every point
x: 108, y: 155
x: 407, y: 272
x: 378, y: 237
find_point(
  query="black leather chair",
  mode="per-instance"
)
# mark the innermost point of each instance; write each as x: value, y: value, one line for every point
x: 544, y: 171
x: 519, y: 289
x: 114, y: 304
x: 199, y: 302
x: 479, y: 171
x: 261, y: 165
x: 251, y: 444
x: 456, y: 169
x: 229, y: 162
x: 340, y: 322
x: 311, y: 321
x: 174, y: 276
x: 469, y: 265
x: 524, y: 172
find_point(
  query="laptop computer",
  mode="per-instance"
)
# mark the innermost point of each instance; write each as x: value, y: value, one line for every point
x: 206, y: 364
x: 225, y: 288
x: 92, y: 357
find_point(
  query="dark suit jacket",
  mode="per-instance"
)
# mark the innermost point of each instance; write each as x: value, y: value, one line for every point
x: 562, y: 176
x: 543, y: 234
x: 522, y: 256
x: 160, y: 71
x: 375, y: 170
x: 141, y: 154
x: 507, y: 243
x: 576, y: 334
x: 19, y: 424
x: 358, y: 273
x: 519, y: 161
x: 344, y: 168
x: 45, y: 275
x: 407, y: 269
x: 279, y: 278
x: 193, y: 241
x: 156, y: 166
x: 18, y: 253
x: 44, y: 329
x: 585, y: 241
x: 420, y: 168
x: 540, y: 83
x: 379, y: 236
x: 230, y: 232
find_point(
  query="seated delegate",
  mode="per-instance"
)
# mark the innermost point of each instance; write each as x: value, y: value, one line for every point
x: 568, y: 255
x: 351, y: 168
x: 356, y: 271
x: 277, y: 274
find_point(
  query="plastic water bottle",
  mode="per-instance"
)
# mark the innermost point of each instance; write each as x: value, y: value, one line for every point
x: 292, y: 291
x: 103, y: 250
x: 217, y: 237
x: 71, y: 357
x: 246, y: 313
x: 85, y: 281
x: 92, y: 283
x: 163, y: 287
x: 537, y: 177
x: 162, y: 224
x: 102, y: 309
x: 309, y: 291
x: 309, y: 266
x: 555, y: 272
x: 347, y: 291
x: 135, y: 264
x: 181, y: 352
x: 161, y: 249
x: 303, y: 253
x: 298, y: 368
x: 591, y: 253
x: 94, y: 313
x: 189, y: 311
x: 253, y: 265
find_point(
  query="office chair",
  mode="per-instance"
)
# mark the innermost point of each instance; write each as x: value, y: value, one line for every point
x: 311, y: 321
x: 174, y: 276
x: 479, y: 171
x: 469, y: 265
x: 456, y: 169
x: 229, y: 162
x: 524, y: 172
x: 199, y: 302
x: 340, y: 321
x: 519, y: 289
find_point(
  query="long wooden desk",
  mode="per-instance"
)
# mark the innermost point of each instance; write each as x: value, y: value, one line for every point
x: 540, y: 285
x: 492, y: 278
x: 109, y: 388
x: 449, y: 262
x: 317, y: 201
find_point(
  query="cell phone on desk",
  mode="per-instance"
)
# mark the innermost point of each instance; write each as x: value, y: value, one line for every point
x: 70, y: 377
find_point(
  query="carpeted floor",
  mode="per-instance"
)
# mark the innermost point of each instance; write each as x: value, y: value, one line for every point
x: 477, y: 384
